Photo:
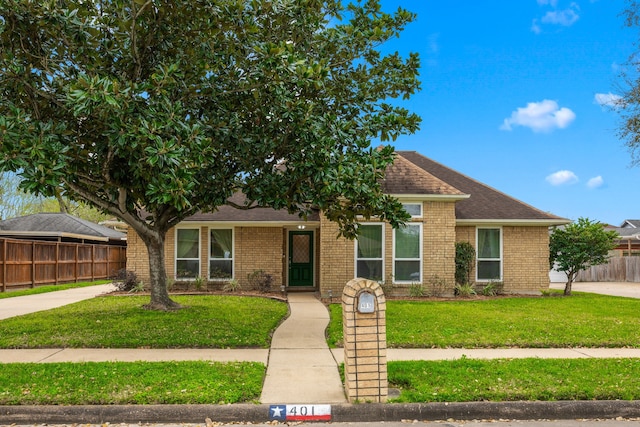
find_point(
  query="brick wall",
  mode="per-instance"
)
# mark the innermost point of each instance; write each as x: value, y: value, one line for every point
x: 439, y: 250
x: 525, y: 257
x: 259, y: 248
x: 337, y: 258
x: 255, y: 248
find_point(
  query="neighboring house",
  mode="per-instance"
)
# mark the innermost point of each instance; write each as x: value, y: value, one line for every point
x: 511, y: 239
x: 628, y: 243
x: 60, y: 227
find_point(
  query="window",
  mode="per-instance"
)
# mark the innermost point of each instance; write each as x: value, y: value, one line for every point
x: 187, y: 253
x: 413, y: 209
x: 369, y: 252
x: 489, y: 253
x: 221, y: 254
x: 407, y: 254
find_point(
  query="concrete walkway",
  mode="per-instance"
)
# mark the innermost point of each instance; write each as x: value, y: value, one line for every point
x: 301, y: 367
x: 17, y: 306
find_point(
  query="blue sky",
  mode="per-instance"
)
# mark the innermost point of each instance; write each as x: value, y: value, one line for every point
x: 512, y: 93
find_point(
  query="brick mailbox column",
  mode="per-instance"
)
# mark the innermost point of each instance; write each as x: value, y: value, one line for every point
x: 365, y: 341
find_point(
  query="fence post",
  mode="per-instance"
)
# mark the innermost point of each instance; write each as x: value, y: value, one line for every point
x: 4, y: 265
x: 33, y: 264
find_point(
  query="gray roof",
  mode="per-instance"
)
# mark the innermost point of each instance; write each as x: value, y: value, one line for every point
x: 631, y: 223
x: 58, y: 224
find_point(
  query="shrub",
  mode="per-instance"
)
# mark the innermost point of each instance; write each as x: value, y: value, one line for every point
x: 416, y: 290
x: 260, y: 280
x: 437, y: 286
x: 127, y: 281
x: 464, y: 290
x: 465, y: 258
x: 492, y: 289
x: 231, y: 286
x: 199, y: 283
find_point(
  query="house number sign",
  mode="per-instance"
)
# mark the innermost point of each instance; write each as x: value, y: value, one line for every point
x: 366, y: 303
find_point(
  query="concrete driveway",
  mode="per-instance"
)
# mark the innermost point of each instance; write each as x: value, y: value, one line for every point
x: 619, y: 289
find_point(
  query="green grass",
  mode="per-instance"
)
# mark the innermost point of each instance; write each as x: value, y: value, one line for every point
x: 468, y: 380
x: 121, y: 322
x: 50, y: 288
x: 582, y: 320
x: 118, y: 383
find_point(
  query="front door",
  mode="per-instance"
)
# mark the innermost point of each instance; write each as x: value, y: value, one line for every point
x: 301, y: 258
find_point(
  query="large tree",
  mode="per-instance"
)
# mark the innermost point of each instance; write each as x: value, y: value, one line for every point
x: 153, y: 110
x: 578, y: 246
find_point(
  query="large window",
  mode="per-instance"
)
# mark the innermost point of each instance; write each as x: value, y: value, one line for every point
x: 407, y: 254
x: 187, y: 253
x: 221, y: 254
x: 369, y: 252
x: 489, y: 253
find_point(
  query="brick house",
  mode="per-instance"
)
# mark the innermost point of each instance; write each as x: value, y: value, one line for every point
x: 511, y: 239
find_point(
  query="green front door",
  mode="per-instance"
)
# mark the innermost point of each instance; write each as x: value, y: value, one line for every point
x: 301, y: 258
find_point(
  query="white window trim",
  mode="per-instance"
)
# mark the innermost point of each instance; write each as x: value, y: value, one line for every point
x: 418, y: 204
x: 233, y: 252
x: 490, y: 259
x: 175, y: 254
x: 355, y: 251
x: 420, y: 256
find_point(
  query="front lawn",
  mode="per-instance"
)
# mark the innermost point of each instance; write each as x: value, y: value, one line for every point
x: 121, y: 383
x: 582, y: 320
x: 467, y: 380
x: 121, y: 322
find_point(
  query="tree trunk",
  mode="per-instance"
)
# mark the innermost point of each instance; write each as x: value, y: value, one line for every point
x: 567, y: 286
x: 160, y: 299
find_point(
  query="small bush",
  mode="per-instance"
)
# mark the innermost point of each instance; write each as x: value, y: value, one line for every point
x: 199, y: 283
x: 387, y: 288
x: 437, y: 286
x: 465, y: 258
x: 492, y: 289
x: 464, y: 290
x: 260, y: 281
x: 416, y: 290
x: 126, y: 281
x: 231, y: 286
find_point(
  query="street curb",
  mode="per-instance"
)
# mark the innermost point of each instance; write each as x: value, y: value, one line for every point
x: 366, y: 412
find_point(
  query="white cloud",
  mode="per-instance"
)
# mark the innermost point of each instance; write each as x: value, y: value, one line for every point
x: 595, y: 182
x: 566, y: 17
x: 543, y: 116
x: 563, y: 17
x: 562, y: 177
x: 608, y: 100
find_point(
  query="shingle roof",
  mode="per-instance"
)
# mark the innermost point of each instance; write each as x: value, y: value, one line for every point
x: 404, y: 177
x: 631, y: 223
x: 58, y: 223
x: 229, y: 213
x: 485, y: 203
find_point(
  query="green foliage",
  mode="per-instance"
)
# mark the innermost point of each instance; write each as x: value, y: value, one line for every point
x: 578, y: 246
x: 468, y: 380
x: 130, y: 105
x: 584, y: 320
x: 121, y: 322
x: 492, y: 289
x: 464, y: 290
x: 465, y: 259
x: 416, y: 290
x: 231, y: 286
x: 124, y: 383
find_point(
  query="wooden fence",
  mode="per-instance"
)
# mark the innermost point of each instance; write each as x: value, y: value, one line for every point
x: 618, y: 269
x: 31, y: 263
